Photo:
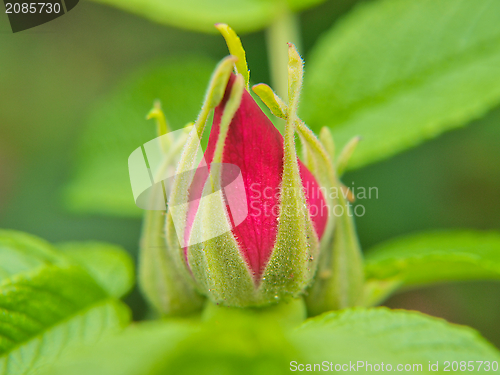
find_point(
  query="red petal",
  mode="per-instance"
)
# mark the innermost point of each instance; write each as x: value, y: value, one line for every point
x: 256, y: 147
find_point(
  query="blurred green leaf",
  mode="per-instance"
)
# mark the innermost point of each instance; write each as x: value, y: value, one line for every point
x: 199, y: 15
x: 399, y: 72
x: 429, y: 258
x: 20, y: 252
x: 138, y: 350
x: 118, y: 126
x: 47, y: 305
x: 109, y: 265
x: 393, y: 337
x: 236, y: 342
x: 233, y: 344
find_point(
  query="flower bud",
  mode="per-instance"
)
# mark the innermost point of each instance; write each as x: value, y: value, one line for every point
x: 248, y: 223
x: 272, y: 254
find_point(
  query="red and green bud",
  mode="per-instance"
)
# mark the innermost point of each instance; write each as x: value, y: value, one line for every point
x: 260, y: 242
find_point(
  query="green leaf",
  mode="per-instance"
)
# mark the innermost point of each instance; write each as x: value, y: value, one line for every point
x: 48, y: 305
x: 118, y: 126
x: 432, y: 257
x: 398, y: 72
x: 109, y: 265
x: 393, y: 337
x: 138, y: 350
x: 243, y: 341
x: 20, y: 252
x: 200, y: 15
x: 231, y: 344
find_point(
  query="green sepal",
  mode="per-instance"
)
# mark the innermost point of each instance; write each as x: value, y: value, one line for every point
x: 295, y: 79
x: 326, y: 139
x: 216, y: 89
x: 318, y: 158
x: 217, y: 265
x: 163, y: 274
x: 236, y: 49
x: 340, y: 279
x: 271, y: 100
x: 230, y: 109
x: 166, y: 287
x: 188, y: 163
x: 294, y: 259
x: 345, y: 155
x: 156, y: 113
x: 318, y: 161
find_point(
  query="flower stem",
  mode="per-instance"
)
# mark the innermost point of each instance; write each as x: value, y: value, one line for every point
x: 283, y: 30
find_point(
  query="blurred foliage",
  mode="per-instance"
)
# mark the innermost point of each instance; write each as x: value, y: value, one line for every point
x: 389, y: 74
x: 228, y: 347
x: 361, y: 82
x: 57, y: 302
x: 108, y: 265
x: 201, y: 15
x: 447, y: 183
x: 233, y: 345
x: 435, y: 257
x: 469, y: 303
x: 396, y: 336
x: 118, y: 126
x: 52, y: 78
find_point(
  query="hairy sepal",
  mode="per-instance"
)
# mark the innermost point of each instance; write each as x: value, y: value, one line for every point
x: 166, y: 287
x: 218, y: 265
x: 294, y: 259
x: 339, y: 282
x: 188, y: 163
